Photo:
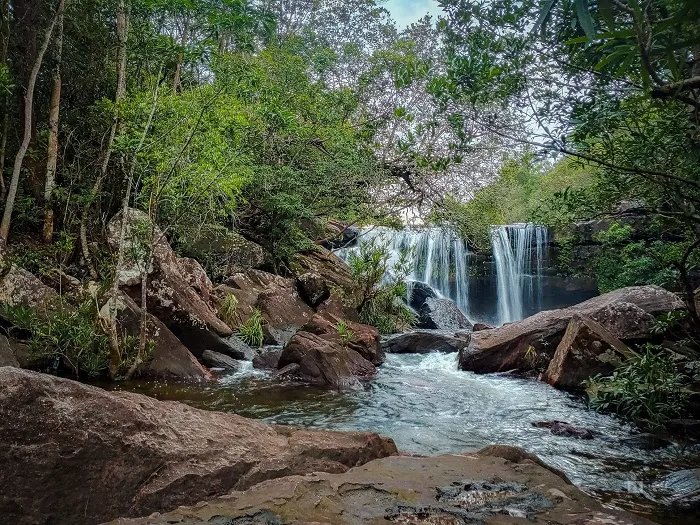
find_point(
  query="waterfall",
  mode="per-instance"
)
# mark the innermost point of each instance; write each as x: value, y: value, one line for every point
x: 440, y: 258
x: 519, y: 253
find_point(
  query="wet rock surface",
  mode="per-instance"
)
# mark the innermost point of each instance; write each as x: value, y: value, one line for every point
x: 76, y: 454
x: 442, y: 314
x: 476, y: 488
x: 217, y: 360
x: 561, y: 428
x: 627, y: 313
x: 423, y: 342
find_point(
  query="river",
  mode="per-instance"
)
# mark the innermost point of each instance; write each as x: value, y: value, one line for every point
x: 429, y: 407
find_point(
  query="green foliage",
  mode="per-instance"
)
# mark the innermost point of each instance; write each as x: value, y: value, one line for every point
x: 227, y: 309
x: 381, y: 286
x: 344, y: 332
x: 69, y: 334
x: 251, y: 331
x: 646, y: 388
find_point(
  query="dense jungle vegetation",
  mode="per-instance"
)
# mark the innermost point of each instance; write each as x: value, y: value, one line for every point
x: 269, y: 118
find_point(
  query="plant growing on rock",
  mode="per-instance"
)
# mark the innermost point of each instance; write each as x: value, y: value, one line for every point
x: 227, y: 310
x: 381, y: 285
x: 344, y: 332
x: 646, y: 388
x: 251, y: 331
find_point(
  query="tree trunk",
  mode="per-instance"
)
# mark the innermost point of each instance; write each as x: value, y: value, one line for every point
x: 28, y: 110
x: 180, y: 57
x: 5, y: 98
x: 52, y: 153
x: 122, y: 34
x: 115, y: 361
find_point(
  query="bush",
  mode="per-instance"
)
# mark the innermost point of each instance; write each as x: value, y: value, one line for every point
x: 646, y: 388
x: 68, y: 335
x: 251, y: 331
x: 381, y: 286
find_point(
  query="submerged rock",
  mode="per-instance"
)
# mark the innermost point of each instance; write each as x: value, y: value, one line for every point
x: 627, y: 313
x: 478, y: 488
x: 682, y: 487
x: 217, y: 360
x: 561, y: 428
x: 76, y: 454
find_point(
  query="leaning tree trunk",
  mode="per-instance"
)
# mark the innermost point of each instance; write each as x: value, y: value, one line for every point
x: 178, y: 66
x: 52, y: 153
x: 5, y: 98
x: 27, y: 136
x: 122, y: 34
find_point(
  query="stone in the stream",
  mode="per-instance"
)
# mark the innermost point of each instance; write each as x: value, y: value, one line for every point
x: 561, y: 428
x: 419, y: 292
x: 325, y: 363
x: 586, y: 350
x: 217, y: 360
x: 361, y: 338
x: 442, y: 314
x: 646, y: 441
x: 423, y: 342
x: 627, y: 313
x: 682, y: 488
x: 267, y: 358
x: 470, y: 488
x: 79, y: 455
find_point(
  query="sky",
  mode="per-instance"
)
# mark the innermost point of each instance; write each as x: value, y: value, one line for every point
x: 405, y: 12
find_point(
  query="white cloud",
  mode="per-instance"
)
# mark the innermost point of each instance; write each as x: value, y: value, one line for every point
x: 405, y: 12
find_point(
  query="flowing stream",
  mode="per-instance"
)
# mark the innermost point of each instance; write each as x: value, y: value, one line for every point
x: 429, y: 407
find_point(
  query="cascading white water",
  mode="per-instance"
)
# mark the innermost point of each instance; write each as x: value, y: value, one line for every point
x: 519, y: 252
x: 440, y: 258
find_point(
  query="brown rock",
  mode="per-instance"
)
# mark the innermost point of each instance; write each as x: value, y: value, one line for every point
x: 267, y: 358
x: 365, y: 339
x: 587, y: 349
x: 325, y: 363
x: 626, y: 313
x: 20, y: 287
x: 478, y: 327
x: 224, y: 250
x: 413, y: 490
x: 329, y: 266
x: 561, y: 428
x: 171, y: 298
x: 338, y: 307
x: 195, y: 276
x: 313, y: 288
x: 76, y: 454
x: 170, y: 359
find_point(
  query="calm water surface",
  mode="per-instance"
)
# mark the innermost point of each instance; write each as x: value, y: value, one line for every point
x: 429, y: 407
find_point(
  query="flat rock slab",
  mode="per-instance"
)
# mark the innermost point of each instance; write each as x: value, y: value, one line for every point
x: 477, y: 488
x: 76, y: 454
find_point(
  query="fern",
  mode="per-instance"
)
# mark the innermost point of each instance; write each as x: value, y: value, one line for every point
x: 251, y: 331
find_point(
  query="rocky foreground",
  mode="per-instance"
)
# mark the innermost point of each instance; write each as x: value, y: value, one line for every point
x: 76, y: 454
x: 498, y: 485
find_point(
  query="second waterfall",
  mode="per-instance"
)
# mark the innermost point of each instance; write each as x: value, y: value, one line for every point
x: 520, y: 256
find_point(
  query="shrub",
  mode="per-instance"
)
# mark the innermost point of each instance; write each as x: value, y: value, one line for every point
x: 227, y: 310
x: 68, y: 334
x: 251, y: 331
x: 344, y: 332
x: 646, y: 388
x: 381, y: 286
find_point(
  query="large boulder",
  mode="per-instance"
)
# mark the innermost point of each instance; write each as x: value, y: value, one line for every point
x: 586, y: 350
x: 18, y: 287
x: 423, y: 342
x: 217, y: 360
x: 499, y: 485
x: 170, y: 358
x: 267, y: 358
x: 442, y: 314
x: 628, y: 314
x: 325, y: 363
x: 171, y: 297
x: 77, y: 454
x: 313, y: 288
x: 361, y: 338
x: 282, y: 308
x: 329, y: 266
x: 418, y: 293
x: 224, y: 251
